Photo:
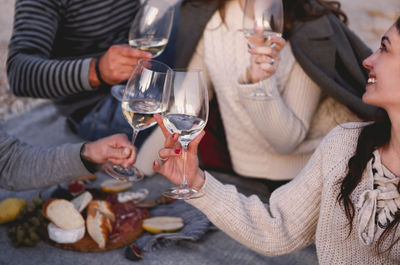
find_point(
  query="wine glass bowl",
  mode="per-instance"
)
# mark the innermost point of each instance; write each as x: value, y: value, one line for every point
x: 146, y: 93
x: 187, y: 115
x: 151, y: 27
x: 150, y: 31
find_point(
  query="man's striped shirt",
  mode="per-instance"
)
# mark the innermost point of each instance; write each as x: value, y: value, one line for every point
x: 53, y: 42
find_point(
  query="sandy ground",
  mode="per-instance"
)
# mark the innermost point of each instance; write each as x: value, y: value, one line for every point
x: 368, y: 18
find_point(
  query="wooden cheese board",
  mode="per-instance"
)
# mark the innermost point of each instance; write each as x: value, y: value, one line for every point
x: 124, y: 233
x: 87, y: 244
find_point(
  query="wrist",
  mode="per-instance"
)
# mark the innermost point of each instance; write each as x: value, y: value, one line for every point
x: 93, y: 80
x: 199, y: 180
x: 98, y: 73
x: 86, y: 158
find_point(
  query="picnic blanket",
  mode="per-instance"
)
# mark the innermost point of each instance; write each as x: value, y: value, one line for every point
x: 43, y: 126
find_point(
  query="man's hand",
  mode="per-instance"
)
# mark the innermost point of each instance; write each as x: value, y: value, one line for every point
x: 116, y: 65
x: 116, y: 148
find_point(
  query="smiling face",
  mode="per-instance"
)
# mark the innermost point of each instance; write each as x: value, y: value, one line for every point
x: 383, y: 88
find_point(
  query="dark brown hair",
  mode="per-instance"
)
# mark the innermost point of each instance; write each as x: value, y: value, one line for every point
x: 371, y: 137
x: 302, y: 10
x: 295, y: 10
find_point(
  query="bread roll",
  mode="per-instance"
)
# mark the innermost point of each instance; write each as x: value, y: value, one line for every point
x: 103, y: 207
x: 96, y: 225
x: 63, y: 214
x: 99, y: 221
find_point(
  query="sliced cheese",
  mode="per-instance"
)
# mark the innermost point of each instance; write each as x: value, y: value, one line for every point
x: 82, y: 201
x: 135, y: 196
x: 65, y: 236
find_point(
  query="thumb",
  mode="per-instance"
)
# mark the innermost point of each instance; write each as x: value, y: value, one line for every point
x: 118, y: 153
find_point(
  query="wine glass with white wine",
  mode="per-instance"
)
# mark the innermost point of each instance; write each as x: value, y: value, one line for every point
x: 150, y: 31
x: 261, y: 20
x: 146, y: 93
x: 186, y: 115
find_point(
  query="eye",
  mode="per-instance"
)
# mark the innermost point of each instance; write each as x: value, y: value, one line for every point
x: 383, y: 47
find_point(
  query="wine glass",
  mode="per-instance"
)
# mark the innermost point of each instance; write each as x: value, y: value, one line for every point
x: 146, y: 93
x: 261, y: 20
x: 186, y: 115
x: 150, y: 31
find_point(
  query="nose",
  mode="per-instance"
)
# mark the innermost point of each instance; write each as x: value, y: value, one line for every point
x: 367, y: 63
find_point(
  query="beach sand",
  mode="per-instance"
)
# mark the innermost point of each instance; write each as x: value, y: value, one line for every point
x: 368, y: 18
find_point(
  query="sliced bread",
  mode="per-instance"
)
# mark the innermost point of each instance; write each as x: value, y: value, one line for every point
x: 63, y: 214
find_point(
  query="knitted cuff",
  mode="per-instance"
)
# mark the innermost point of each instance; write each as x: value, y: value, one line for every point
x: 97, y: 69
x: 90, y: 166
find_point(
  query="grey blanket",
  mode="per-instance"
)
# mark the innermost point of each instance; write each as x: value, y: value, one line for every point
x: 44, y: 126
x: 196, y: 224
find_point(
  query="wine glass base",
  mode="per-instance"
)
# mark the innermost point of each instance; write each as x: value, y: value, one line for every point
x: 117, y: 91
x: 182, y: 193
x: 118, y: 172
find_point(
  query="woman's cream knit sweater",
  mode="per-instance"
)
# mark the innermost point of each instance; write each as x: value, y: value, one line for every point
x: 302, y: 211
x: 277, y: 135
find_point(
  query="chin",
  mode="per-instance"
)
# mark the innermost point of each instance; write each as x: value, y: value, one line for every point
x: 369, y: 99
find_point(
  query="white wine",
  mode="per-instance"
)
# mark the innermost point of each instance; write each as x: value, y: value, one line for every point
x: 187, y: 126
x: 139, y: 113
x: 259, y: 38
x: 154, y: 46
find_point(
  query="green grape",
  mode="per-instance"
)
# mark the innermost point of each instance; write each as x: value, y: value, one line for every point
x: 30, y: 208
x: 34, y: 236
x: 20, y: 234
x: 26, y: 225
x: 28, y: 242
x: 34, y: 221
x: 16, y: 243
x: 12, y: 231
x: 37, y: 201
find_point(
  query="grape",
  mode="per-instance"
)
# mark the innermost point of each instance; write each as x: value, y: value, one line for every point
x: 24, y: 230
x: 34, y: 236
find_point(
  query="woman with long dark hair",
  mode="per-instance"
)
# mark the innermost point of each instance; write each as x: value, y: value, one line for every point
x: 319, y: 83
x: 346, y: 199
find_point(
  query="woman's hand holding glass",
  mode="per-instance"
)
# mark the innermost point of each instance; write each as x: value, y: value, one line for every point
x: 264, y: 60
x: 172, y: 161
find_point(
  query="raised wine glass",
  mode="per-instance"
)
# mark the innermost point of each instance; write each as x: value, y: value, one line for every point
x: 146, y: 93
x: 187, y: 115
x: 261, y: 20
x: 150, y: 31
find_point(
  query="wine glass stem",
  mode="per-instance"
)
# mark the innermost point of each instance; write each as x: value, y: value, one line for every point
x: 184, y: 184
x: 134, y: 134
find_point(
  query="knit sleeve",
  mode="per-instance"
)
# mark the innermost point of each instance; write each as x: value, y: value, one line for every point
x: 286, y: 224
x: 284, y: 119
x: 30, y: 69
x: 25, y: 167
x: 289, y: 222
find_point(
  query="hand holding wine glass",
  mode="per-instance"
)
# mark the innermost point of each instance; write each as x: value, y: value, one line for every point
x: 186, y: 116
x: 146, y: 93
x: 172, y: 165
x: 150, y: 31
x: 263, y: 26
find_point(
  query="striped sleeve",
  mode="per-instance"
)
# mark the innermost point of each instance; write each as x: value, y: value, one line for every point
x: 31, y: 70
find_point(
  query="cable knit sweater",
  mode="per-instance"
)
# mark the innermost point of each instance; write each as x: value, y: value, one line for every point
x: 276, y: 135
x: 302, y: 211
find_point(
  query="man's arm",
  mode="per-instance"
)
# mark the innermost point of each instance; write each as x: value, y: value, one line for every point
x: 25, y: 167
x: 31, y: 71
